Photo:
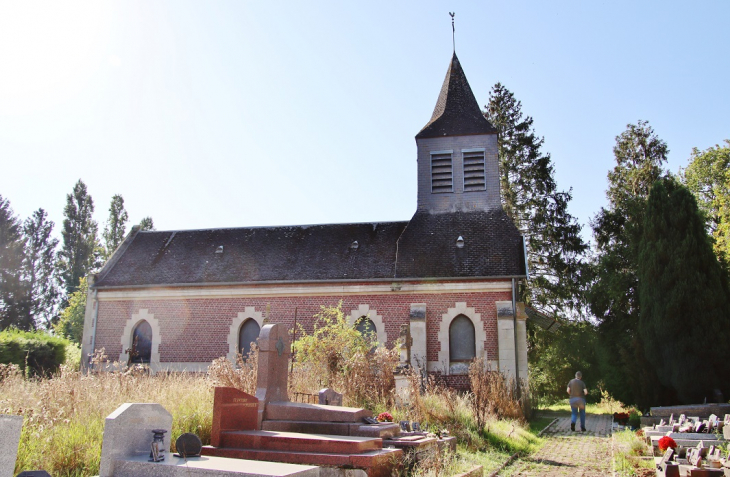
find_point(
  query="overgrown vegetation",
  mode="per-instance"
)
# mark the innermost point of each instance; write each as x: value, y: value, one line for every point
x: 34, y: 353
x: 64, y: 415
x: 632, y: 457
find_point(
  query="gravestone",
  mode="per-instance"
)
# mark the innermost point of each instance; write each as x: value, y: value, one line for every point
x: 330, y: 397
x: 682, y: 418
x: 416, y: 426
x: 405, y: 426
x: 233, y: 410
x: 671, y: 419
x: 10, y: 428
x: 34, y: 473
x: 273, y: 372
x: 128, y: 433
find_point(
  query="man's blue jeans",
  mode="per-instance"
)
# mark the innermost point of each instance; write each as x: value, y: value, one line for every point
x: 578, y: 404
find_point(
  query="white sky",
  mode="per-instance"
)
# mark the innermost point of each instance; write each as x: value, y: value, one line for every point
x: 241, y: 113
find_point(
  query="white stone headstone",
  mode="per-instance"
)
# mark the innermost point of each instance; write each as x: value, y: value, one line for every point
x: 10, y: 428
x: 128, y: 433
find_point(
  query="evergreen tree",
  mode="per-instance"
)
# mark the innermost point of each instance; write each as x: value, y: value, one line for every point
x: 39, y: 267
x: 685, y: 307
x: 116, y: 226
x: 708, y: 177
x: 613, y: 296
x: 530, y: 197
x: 147, y: 224
x: 81, y: 248
x: 13, y: 289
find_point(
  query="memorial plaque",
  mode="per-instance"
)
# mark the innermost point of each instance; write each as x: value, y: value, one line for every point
x: 662, y: 423
x: 188, y: 445
x: 416, y: 426
x: 405, y: 426
x: 666, y: 457
x: 682, y: 418
x: 671, y: 419
x: 370, y: 420
x: 233, y: 410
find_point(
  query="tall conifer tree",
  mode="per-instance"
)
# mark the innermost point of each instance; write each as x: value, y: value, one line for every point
x: 684, y: 302
x: 13, y: 289
x: 81, y: 248
x: 40, y: 268
x: 613, y: 296
x: 540, y: 211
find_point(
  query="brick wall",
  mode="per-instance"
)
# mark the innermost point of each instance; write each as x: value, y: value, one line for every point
x: 196, y: 329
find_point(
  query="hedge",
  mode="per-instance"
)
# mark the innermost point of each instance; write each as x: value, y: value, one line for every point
x: 42, y: 352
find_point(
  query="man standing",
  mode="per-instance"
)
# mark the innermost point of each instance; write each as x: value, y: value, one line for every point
x: 577, y: 391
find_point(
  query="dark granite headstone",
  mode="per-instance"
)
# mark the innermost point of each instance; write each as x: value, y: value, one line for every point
x: 405, y: 426
x: 330, y: 397
x: 188, y: 445
x: 34, y: 473
x: 370, y: 420
x: 416, y: 426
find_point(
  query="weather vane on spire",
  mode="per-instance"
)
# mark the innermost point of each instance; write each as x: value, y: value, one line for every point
x: 453, y: 30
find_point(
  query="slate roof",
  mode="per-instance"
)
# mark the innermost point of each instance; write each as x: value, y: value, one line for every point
x: 425, y: 247
x: 457, y: 112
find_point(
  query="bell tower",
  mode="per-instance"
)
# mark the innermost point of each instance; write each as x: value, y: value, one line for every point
x: 458, y: 167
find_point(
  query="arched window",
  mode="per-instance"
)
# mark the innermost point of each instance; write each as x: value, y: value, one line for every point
x: 247, y: 334
x: 366, y: 327
x: 141, y: 343
x: 462, y: 342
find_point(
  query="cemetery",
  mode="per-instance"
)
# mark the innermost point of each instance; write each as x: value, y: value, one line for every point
x: 693, y: 444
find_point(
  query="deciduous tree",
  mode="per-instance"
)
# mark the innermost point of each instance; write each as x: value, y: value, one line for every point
x: 147, y: 224
x: 708, y: 177
x: 81, y: 248
x: 116, y: 226
x: 71, y: 323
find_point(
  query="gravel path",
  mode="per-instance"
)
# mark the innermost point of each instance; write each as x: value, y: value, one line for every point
x: 568, y: 453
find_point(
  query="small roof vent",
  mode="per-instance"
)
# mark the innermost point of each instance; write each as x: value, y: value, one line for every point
x: 460, y: 242
x: 354, y: 245
x: 219, y: 249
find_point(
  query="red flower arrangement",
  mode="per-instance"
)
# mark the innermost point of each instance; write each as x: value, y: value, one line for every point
x: 385, y: 417
x: 620, y: 416
x: 666, y: 442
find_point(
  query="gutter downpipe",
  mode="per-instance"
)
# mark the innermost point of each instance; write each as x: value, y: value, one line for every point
x: 517, y: 355
x: 95, y: 317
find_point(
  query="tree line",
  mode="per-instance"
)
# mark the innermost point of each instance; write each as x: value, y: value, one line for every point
x: 644, y: 308
x: 40, y: 276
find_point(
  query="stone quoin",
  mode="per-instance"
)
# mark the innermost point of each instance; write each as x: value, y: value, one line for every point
x: 176, y: 300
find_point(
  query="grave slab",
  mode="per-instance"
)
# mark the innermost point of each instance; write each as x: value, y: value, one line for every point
x: 10, y: 429
x: 128, y: 434
x: 210, y: 466
x: 297, y: 411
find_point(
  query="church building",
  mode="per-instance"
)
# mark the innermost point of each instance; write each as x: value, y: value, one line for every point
x: 448, y: 275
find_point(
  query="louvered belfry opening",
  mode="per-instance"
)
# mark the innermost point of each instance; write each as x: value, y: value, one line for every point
x: 442, y: 179
x: 474, y: 177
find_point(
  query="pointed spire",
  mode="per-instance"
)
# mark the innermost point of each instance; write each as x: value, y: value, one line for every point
x: 457, y: 112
